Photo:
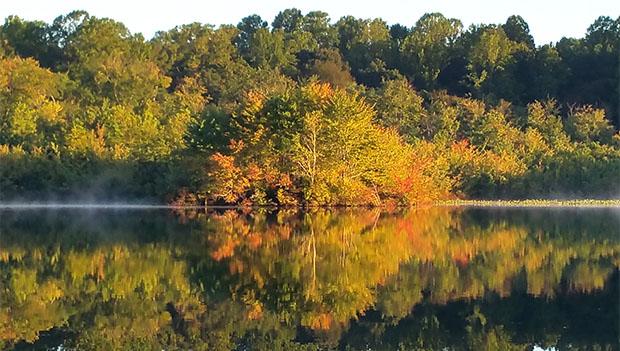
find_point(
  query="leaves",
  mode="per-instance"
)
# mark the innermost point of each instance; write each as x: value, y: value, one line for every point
x: 314, y: 113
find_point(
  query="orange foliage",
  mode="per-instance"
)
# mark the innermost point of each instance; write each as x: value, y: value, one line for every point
x: 225, y: 250
x: 255, y: 312
x: 321, y: 321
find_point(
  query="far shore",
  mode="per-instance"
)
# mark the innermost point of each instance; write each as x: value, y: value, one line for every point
x: 590, y: 203
x: 531, y: 203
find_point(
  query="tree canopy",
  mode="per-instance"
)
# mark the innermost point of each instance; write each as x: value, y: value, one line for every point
x: 307, y: 110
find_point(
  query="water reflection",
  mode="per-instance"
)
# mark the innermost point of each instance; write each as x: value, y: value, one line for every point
x: 426, y: 279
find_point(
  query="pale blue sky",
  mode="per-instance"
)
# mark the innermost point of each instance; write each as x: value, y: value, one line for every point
x: 549, y: 20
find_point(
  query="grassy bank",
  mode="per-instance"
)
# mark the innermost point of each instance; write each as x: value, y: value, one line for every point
x: 531, y: 203
x: 441, y: 203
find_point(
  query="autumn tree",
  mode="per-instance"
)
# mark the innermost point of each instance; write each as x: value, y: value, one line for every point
x: 32, y: 115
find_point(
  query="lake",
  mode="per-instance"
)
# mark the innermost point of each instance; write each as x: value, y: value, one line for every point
x: 421, y: 279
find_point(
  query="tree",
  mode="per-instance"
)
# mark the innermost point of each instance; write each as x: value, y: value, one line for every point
x: 517, y: 30
x: 247, y: 27
x: 400, y: 107
x: 289, y: 20
x: 546, y: 74
x: 317, y: 24
x: 602, y: 35
x: 111, y: 64
x: 206, y: 55
x: 428, y: 47
x: 544, y: 117
x: 325, y: 140
x: 31, y: 114
x: 364, y: 44
x: 305, y: 111
x: 586, y: 124
x: 28, y: 39
x: 270, y: 50
x: 593, y: 66
x: 492, y: 52
x: 328, y: 66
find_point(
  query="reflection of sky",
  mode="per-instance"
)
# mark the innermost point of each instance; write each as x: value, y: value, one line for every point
x: 538, y: 348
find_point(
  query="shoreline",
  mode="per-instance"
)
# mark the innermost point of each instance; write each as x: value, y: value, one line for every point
x: 587, y: 203
x: 584, y: 203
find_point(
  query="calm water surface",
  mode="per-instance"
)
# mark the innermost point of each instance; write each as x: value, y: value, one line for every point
x: 427, y: 279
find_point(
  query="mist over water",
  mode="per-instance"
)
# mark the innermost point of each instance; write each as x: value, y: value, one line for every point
x: 86, y: 205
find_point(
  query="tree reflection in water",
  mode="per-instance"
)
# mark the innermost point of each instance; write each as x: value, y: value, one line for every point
x: 424, y: 279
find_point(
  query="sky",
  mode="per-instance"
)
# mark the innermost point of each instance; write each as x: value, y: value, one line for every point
x: 549, y: 20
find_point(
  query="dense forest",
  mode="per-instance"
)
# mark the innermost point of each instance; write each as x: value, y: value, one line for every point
x: 306, y: 111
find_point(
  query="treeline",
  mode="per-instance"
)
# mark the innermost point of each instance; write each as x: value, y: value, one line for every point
x: 306, y: 111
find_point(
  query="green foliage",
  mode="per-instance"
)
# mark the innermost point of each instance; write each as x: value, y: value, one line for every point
x: 407, y: 115
x: 27, y: 39
x: 363, y: 43
x: 517, y: 30
x: 492, y: 52
x: 589, y: 125
x: 401, y: 108
x: 31, y: 116
x: 428, y: 47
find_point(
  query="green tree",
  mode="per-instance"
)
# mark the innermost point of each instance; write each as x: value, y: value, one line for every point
x: 428, y: 47
x: 317, y: 24
x: 518, y: 30
x: 31, y: 113
x: 28, y: 39
x: 589, y: 125
x: 400, y: 107
x: 112, y: 64
x: 491, y: 53
x: 247, y: 27
x: 289, y: 20
x: 364, y: 44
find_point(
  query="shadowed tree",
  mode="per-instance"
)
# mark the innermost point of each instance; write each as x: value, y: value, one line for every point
x: 517, y: 30
x: 289, y: 20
